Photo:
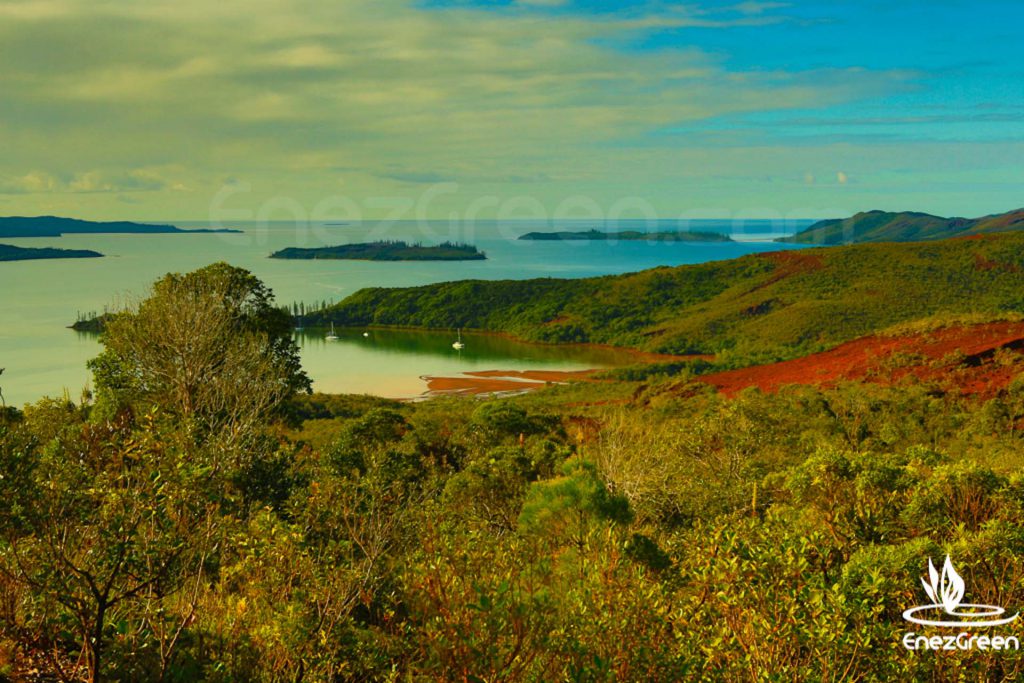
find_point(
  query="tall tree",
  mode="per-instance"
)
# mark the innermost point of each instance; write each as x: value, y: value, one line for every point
x: 208, y: 348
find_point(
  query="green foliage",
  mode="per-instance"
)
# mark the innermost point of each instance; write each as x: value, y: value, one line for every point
x: 207, y: 348
x: 596, y: 532
x: 564, y: 509
x: 752, y: 309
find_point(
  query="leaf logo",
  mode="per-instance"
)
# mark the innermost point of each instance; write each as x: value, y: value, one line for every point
x: 950, y: 591
x: 947, y: 593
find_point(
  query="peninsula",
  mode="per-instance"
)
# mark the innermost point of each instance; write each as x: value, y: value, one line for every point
x: 10, y: 252
x: 54, y: 226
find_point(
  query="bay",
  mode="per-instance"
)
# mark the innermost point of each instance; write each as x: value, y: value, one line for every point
x: 39, y: 299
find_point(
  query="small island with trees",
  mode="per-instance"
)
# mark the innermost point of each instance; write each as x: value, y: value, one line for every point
x: 9, y: 252
x: 629, y: 236
x: 386, y: 251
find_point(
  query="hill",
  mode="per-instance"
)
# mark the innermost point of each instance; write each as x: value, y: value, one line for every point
x: 756, y: 308
x: 54, y: 226
x: 386, y: 251
x: 629, y: 236
x: 961, y: 357
x: 906, y: 226
x: 11, y: 253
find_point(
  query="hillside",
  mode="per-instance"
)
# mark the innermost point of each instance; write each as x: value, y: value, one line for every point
x: 11, y: 253
x: 963, y: 358
x: 385, y: 251
x: 756, y: 308
x: 906, y: 226
x: 54, y: 226
x: 629, y: 236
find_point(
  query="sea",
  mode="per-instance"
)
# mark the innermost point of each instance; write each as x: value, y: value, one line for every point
x: 39, y: 299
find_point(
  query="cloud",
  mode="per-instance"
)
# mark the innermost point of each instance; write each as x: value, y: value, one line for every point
x: 283, y: 92
x: 759, y: 7
x: 87, y: 182
x: 416, y: 177
x: 31, y: 182
x: 543, y: 3
x: 842, y: 178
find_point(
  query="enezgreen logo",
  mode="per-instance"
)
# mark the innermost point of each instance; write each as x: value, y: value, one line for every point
x: 947, y: 610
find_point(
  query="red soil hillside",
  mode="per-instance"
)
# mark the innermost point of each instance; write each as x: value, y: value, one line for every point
x: 962, y: 357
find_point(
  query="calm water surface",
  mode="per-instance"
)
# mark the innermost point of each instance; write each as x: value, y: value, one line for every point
x: 39, y: 299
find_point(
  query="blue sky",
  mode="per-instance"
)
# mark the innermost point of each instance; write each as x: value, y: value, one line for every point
x: 452, y: 107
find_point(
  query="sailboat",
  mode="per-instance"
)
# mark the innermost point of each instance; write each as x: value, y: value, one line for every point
x: 331, y: 336
x: 458, y: 344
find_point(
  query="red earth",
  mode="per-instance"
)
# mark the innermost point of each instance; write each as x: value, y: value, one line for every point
x: 961, y: 357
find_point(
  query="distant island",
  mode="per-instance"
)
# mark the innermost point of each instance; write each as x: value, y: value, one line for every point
x: 386, y: 251
x: 630, y: 235
x: 54, y: 226
x: 904, y: 226
x: 11, y: 253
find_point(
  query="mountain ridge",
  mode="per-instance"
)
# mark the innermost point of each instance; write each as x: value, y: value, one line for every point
x: 902, y: 226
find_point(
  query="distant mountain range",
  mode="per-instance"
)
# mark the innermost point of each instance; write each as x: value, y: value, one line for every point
x: 53, y: 226
x: 905, y: 226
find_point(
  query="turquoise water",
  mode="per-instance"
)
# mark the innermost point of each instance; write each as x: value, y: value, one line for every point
x: 39, y: 299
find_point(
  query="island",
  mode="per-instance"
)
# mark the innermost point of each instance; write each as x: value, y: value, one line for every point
x: 903, y: 226
x: 54, y: 226
x: 386, y: 251
x: 630, y: 236
x: 10, y: 252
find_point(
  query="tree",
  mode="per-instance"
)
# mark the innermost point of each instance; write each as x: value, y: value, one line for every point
x: 208, y: 348
x: 566, y: 511
x: 101, y: 519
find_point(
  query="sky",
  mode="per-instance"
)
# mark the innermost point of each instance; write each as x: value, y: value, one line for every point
x: 403, y: 109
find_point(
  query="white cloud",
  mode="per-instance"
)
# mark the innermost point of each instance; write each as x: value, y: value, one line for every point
x: 302, y: 87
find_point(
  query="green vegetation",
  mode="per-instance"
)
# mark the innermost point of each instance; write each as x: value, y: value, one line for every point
x: 387, y: 251
x: 631, y: 235
x: 9, y: 252
x: 204, y: 520
x: 756, y: 308
x: 53, y: 226
x: 907, y: 226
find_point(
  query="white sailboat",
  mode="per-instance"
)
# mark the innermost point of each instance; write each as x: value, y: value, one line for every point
x: 330, y: 335
x: 458, y: 344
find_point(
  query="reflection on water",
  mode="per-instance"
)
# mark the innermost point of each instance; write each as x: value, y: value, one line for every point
x: 391, y: 362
